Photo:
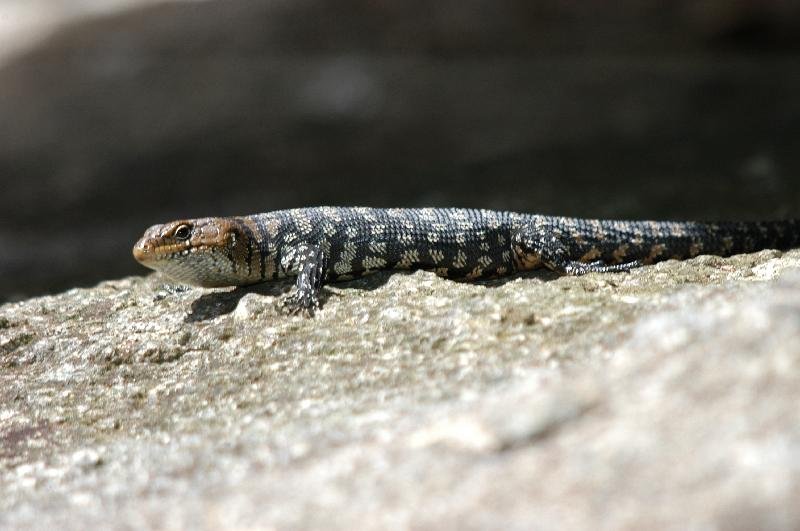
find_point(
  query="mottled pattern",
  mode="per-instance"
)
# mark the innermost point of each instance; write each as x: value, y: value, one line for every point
x: 326, y: 244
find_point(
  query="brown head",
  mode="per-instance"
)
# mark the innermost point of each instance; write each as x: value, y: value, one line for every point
x: 208, y: 252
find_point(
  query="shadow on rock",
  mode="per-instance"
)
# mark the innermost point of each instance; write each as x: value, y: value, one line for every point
x: 212, y: 305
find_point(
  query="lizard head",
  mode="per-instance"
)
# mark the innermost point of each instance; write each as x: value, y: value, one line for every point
x: 208, y: 252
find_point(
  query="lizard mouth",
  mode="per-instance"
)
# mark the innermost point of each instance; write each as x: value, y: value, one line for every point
x: 148, y: 254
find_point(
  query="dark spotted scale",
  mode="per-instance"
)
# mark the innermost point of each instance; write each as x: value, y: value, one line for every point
x: 327, y: 244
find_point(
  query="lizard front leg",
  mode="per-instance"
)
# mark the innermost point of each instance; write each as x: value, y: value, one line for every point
x: 540, y: 243
x: 310, y: 264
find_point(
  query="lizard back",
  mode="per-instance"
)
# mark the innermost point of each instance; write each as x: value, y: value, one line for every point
x: 456, y: 243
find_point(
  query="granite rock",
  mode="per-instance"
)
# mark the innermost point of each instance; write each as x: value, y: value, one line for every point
x: 665, y: 398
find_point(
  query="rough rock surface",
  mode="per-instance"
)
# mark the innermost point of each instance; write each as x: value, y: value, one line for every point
x: 664, y: 398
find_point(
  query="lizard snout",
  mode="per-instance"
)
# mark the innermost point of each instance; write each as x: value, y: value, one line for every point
x: 143, y: 251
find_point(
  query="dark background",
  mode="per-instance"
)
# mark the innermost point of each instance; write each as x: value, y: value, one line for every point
x: 685, y: 109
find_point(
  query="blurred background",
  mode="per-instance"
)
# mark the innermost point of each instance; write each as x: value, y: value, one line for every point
x: 115, y: 115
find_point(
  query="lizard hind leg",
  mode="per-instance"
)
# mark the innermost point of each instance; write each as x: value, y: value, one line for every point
x: 539, y: 243
x: 553, y: 246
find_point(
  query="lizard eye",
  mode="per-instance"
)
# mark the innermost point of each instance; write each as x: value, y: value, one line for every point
x: 183, y: 232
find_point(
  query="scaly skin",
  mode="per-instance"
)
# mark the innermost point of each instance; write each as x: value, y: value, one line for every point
x: 326, y: 244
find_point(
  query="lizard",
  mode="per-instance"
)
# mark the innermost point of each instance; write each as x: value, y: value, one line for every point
x: 319, y: 245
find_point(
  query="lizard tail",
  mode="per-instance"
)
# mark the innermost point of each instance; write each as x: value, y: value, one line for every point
x: 750, y: 236
x: 688, y: 239
x: 653, y: 241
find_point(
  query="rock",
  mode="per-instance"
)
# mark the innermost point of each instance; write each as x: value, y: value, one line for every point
x: 663, y: 398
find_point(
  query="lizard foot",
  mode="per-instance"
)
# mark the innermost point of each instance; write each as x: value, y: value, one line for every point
x: 581, y: 268
x: 299, y: 302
